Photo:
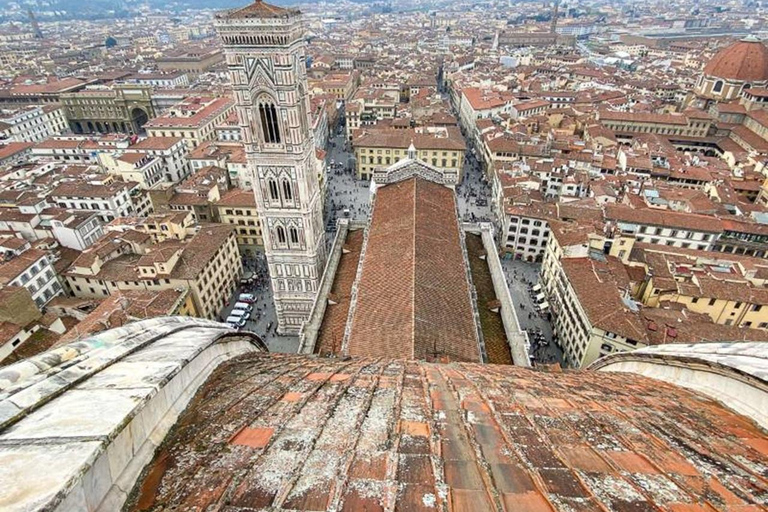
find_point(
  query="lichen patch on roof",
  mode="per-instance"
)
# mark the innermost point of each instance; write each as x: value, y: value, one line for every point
x: 370, y: 434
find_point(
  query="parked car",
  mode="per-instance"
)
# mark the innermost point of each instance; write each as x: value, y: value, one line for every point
x: 243, y: 306
x: 239, y: 313
x: 247, y: 297
x: 236, y: 322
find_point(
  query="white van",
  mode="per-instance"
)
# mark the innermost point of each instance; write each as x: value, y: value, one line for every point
x: 238, y: 313
x: 236, y: 321
x: 243, y: 306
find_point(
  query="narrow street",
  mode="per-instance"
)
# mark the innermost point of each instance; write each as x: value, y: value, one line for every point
x: 263, y: 320
x: 521, y: 277
x: 474, y: 193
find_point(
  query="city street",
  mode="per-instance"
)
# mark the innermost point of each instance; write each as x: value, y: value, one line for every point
x: 263, y: 319
x: 343, y: 190
x: 474, y: 193
x: 521, y: 277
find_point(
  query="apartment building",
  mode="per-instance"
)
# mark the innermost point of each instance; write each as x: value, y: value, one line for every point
x: 341, y: 85
x: 369, y: 106
x: 14, y: 152
x: 478, y: 103
x: 588, y: 294
x: 146, y: 170
x: 227, y: 155
x: 108, y: 201
x: 75, y: 230
x: 33, y: 270
x: 207, y: 264
x: 664, y: 227
x: 194, y: 119
x: 730, y: 291
x: 237, y: 207
x: 32, y: 123
x: 170, y: 151
x: 691, y: 123
x: 164, y: 225
x: 443, y: 147
x: 526, y: 230
x: 78, y: 149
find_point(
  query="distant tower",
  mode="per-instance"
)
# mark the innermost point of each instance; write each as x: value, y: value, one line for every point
x: 265, y: 52
x: 555, y: 12
x: 35, y: 26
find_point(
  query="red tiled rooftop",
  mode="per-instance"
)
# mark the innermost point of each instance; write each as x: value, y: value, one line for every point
x: 331, y: 334
x: 414, y: 263
x: 276, y: 432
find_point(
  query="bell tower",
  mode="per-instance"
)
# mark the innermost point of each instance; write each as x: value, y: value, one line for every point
x: 264, y: 47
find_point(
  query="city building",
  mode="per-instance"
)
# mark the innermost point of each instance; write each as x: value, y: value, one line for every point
x: 193, y: 61
x: 194, y: 119
x: 32, y: 123
x: 238, y: 207
x: 207, y: 264
x: 33, y: 270
x: 75, y: 230
x: 691, y: 123
x: 442, y: 147
x: 122, y: 108
x: 108, y: 201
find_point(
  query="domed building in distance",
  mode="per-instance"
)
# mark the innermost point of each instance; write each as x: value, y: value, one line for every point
x: 739, y: 66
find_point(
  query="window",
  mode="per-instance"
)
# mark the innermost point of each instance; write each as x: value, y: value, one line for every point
x: 269, y: 124
x: 280, y: 234
x: 718, y: 86
x: 287, y: 191
x: 294, y: 235
x: 273, y: 194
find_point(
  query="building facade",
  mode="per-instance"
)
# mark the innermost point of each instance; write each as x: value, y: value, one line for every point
x: 265, y: 52
x: 33, y: 123
x: 123, y: 109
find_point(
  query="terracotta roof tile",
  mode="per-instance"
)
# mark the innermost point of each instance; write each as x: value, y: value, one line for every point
x: 331, y: 334
x: 420, y: 436
x: 414, y: 260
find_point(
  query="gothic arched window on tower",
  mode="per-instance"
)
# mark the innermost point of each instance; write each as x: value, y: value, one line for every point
x: 280, y: 234
x: 294, y: 235
x: 273, y: 193
x: 270, y: 127
x: 287, y: 191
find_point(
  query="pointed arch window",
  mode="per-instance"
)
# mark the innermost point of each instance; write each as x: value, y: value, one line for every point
x: 274, y: 195
x: 280, y: 234
x: 294, y: 233
x: 270, y: 127
x: 287, y: 190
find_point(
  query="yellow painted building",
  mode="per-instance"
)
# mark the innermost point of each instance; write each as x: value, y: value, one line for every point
x: 443, y: 148
x: 238, y: 208
x: 208, y: 265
